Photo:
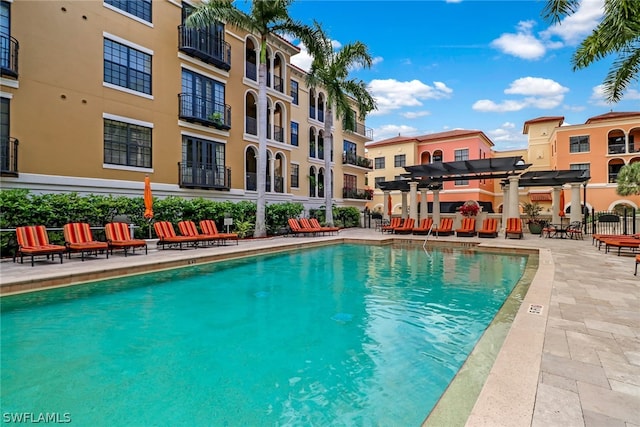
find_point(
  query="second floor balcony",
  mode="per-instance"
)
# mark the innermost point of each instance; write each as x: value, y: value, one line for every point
x: 359, y: 129
x: 357, y: 193
x: 622, y: 149
x: 355, y: 160
x: 9, y: 56
x: 204, y: 111
x: 200, y: 175
x: 204, y: 46
x: 9, y: 157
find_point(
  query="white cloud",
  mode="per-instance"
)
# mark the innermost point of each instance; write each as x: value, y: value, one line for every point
x: 598, y: 97
x: 507, y: 137
x: 391, y: 94
x: 303, y: 59
x: 415, y: 114
x: 537, y: 93
x: 523, y: 44
x: 573, y: 29
x: 390, y: 131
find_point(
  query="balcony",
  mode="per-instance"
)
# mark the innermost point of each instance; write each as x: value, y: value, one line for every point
x: 201, y: 110
x: 251, y: 124
x: 251, y: 183
x: 250, y: 71
x: 355, y: 160
x: 357, y: 193
x: 9, y: 157
x: 9, y: 56
x: 202, y: 45
x: 278, y: 83
x: 204, y: 176
x: 278, y: 133
x: 360, y: 129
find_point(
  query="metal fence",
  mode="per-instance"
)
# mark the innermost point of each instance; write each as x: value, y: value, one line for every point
x: 613, y: 222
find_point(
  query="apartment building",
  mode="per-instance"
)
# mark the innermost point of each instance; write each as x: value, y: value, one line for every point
x: 96, y: 95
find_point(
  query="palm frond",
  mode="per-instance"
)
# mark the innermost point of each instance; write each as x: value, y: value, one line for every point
x: 624, y: 70
x: 555, y: 10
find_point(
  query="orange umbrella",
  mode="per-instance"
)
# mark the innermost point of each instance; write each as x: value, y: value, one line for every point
x: 148, y: 198
x: 389, y: 205
x: 561, y: 207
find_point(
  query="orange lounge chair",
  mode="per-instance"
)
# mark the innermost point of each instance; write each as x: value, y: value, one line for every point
x: 315, y: 224
x: 514, y: 226
x: 445, y: 228
x: 208, y: 227
x: 406, y: 227
x: 489, y: 228
x: 119, y: 237
x: 424, y: 227
x: 33, y: 240
x: 189, y: 229
x: 168, y: 236
x: 297, y: 229
x: 467, y: 228
x: 78, y: 238
x: 621, y: 242
x: 395, y: 222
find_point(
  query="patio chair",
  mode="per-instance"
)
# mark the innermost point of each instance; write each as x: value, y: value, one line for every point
x: 79, y: 238
x: 424, y: 227
x: 119, y: 237
x: 445, y: 228
x: 574, y: 230
x: 406, y: 227
x: 514, y: 227
x: 167, y: 236
x: 313, y: 223
x: 467, y: 228
x: 297, y: 229
x: 489, y: 228
x: 189, y: 229
x: 33, y: 240
x: 208, y: 227
x: 395, y: 222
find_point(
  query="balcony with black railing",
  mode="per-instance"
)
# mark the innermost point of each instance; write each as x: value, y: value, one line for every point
x: 201, y: 110
x: 204, y: 46
x: 278, y: 133
x: 251, y: 124
x: 360, y: 129
x: 194, y: 175
x: 9, y: 56
x: 357, y: 193
x: 251, y: 71
x: 9, y: 157
x: 355, y: 160
x: 278, y: 83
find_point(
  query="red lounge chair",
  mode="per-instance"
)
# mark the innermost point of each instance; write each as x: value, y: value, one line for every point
x: 208, y: 227
x: 33, y: 240
x: 445, y: 228
x: 620, y: 242
x: 167, y: 236
x: 467, y: 228
x: 424, y: 227
x: 297, y: 229
x: 119, y: 237
x: 514, y: 226
x: 406, y: 227
x: 189, y: 229
x: 315, y: 224
x: 78, y: 238
x: 395, y: 222
x: 489, y: 228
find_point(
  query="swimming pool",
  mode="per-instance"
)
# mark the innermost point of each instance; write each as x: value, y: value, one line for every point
x: 340, y: 335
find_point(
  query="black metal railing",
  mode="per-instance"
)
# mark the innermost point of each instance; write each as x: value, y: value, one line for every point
x: 9, y: 157
x: 278, y: 133
x: 251, y: 124
x: 359, y: 129
x: 278, y: 83
x: 9, y: 56
x: 251, y: 181
x: 320, y: 115
x: 613, y: 222
x: 616, y: 148
x: 357, y: 193
x: 613, y: 177
x: 250, y: 71
x: 278, y: 183
x: 204, y: 111
x: 312, y: 112
x: 355, y: 160
x: 195, y: 175
x: 201, y: 44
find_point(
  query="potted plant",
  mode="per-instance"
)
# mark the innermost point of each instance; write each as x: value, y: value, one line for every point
x: 532, y: 210
x: 470, y: 208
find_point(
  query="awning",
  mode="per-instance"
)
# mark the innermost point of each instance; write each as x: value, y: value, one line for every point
x: 540, y: 197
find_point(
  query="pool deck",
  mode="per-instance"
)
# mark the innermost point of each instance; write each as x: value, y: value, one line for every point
x: 571, y: 357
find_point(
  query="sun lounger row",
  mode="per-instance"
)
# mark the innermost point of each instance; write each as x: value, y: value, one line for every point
x: 189, y: 234
x: 309, y: 227
x: 445, y: 228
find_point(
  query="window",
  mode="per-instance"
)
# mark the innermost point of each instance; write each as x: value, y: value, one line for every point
x: 461, y: 182
x: 461, y: 154
x: 295, y: 175
x: 127, y: 144
x: 378, y: 180
x: 5, y: 143
x: 5, y: 35
x: 399, y: 160
x: 579, y: 144
x: 127, y: 67
x: 294, y: 133
x: 437, y: 156
x: 580, y: 167
x: 139, y: 8
x: 294, y: 92
x: 202, y: 97
x: 379, y: 162
x: 202, y: 163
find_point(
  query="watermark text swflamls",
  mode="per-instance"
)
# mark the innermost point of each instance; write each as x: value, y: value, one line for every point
x: 36, y: 417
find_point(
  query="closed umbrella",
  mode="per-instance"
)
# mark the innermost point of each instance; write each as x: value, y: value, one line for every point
x: 561, y: 207
x: 389, y: 205
x: 148, y: 202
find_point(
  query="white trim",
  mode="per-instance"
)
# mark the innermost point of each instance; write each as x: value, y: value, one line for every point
x: 203, y: 136
x: 9, y: 83
x: 234, y: 35
x: 202, y: 73
x: 126, y: 42
x: 6, y: 95
x: 127, y: 120
x: 175, y: 3
x: 127, y: 168
x: 127, y: 90
x: 199, y: 63
x: 128, y: 15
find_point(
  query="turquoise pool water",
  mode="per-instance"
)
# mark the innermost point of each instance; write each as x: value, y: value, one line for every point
x: 339, y: 335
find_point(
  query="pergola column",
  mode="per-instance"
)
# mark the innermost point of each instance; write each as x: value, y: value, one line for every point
x: 413, y: 200
x: 576, y: 208
x: 514, y: 210
x: 555, y: 205
x: 424, y: 206
x: 404, y: 204
x: 436, y: 207
x: 505, y: 204
x: 387, y: 204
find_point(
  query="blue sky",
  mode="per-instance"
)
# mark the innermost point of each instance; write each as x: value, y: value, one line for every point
x: 468, y: 64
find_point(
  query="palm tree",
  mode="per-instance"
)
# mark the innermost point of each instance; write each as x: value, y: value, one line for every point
x: 618, y: 32
x: 330, y: 70
x: 628, y: 180
x: 266, y: 18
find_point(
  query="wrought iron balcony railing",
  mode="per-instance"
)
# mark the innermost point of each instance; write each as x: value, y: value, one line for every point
x: 278, y: 133
x: 202, y: 45
x: 359, y: 129
x: 278, y: 83
x: 251, y: 183
x: 357, y: 193
x: 252, y: 125
x: 250, y: 71
x: 355, y: 160
x: 9, y: 56
x: 197, y: 175
x: 204, y: 111
x: 9, y: 157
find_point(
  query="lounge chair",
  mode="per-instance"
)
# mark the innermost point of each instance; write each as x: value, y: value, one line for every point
x: 119, y: 237
x: 406, y: 227
x: 78, y: 238
x: 395, y: 222
x: 189, y: 229
x: 445, y: 228
x: 208, y: 227
x: 297, y: 229
x: 313, y: 223
x: 167, y: 236
x: 621, y: 242
x: 424, y: 227
x: 489, y: 228
x: 467, y: 228
x: 33, y: 241
x: 514, y: 227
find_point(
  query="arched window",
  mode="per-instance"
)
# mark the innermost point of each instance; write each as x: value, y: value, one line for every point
x: 251, y: 166
x: 251, y: 114
x: 312, y: 143
x: 312, y: 181
x: 250, y: 59
x: 279, y: 173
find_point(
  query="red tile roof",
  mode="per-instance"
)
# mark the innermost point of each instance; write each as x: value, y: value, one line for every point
x: 613, y: 116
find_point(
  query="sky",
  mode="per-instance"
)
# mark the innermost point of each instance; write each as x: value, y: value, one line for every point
x: 441, y: 65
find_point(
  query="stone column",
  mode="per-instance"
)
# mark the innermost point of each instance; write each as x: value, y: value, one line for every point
x: 555, y: 205
x: 272, y: 174
x: 514, y: 199
x: 424, y: 206
x: 404, y: 204
x: 505, y: 205
x: 576, y: 209
x: 413, y: 200
x: 436, y: 208
x: 386, y: 204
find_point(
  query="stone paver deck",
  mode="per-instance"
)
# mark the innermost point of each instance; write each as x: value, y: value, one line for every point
x: 578, y: 365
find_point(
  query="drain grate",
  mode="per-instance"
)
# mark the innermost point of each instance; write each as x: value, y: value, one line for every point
x: 535, y: 309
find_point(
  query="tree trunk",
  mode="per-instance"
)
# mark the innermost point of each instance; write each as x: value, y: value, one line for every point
x: 260, y: 229
x: 328, y: 149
